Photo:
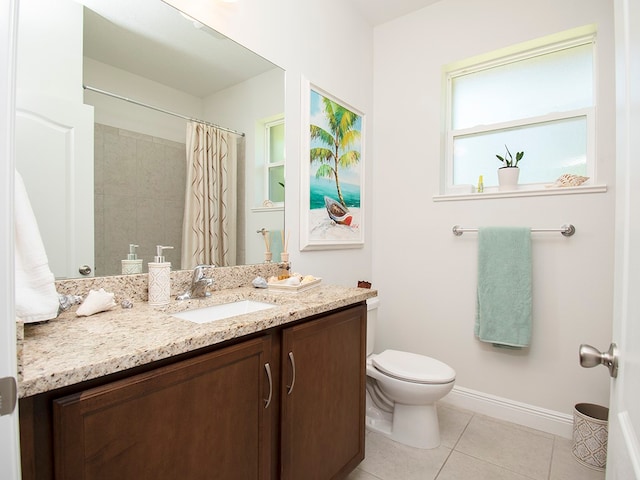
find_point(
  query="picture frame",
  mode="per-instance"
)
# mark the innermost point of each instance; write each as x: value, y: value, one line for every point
x: 331, y: 172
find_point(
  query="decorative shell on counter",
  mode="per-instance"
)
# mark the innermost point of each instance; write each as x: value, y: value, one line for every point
x: 97, y: 301
x: 569, y: 180
x: 259, y: 282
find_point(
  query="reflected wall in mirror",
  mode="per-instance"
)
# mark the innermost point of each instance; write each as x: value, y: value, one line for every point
x: 102, y: 172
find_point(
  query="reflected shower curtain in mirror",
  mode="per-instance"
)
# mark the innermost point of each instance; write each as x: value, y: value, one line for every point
x: 209, y: 226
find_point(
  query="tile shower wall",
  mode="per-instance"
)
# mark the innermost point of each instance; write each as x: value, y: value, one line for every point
x: 139, y: 196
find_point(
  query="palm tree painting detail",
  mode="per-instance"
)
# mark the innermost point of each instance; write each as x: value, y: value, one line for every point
x: 335, y: 153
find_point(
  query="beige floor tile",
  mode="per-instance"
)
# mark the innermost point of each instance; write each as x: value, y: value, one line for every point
x: 452, y: 421
x: 564, y: 466
x: 515, y: 448
x: 484, y: 449
x: 460, y: 466
x: 359, y: 474
x: 389, y: 460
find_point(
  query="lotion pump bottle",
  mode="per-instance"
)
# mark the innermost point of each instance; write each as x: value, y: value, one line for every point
x: 159, y: 278
x: 132, y: 264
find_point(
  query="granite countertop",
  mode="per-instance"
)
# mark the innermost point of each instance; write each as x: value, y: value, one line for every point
x: 72, y: 349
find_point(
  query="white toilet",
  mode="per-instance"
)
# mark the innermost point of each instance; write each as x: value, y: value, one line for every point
x: 402, y: 389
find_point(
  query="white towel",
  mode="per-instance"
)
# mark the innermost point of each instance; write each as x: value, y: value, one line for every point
x: 36, y: 296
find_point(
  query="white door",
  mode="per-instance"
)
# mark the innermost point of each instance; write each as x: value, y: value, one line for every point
x: 9, y: 445
x: 58, y: 175
x: 54, y: 132
x: 623, y: 462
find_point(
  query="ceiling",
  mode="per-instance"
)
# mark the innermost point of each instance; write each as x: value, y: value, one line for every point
x: 380, y: 11
x: 151, y: 39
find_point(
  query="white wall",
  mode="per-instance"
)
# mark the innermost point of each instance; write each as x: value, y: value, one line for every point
x: 120, y: 114
x: 60, y: 58
x: 425, y: 275
x: 294, y: 35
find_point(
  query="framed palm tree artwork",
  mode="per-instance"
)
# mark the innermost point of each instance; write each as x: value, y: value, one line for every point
x: 332, y: 172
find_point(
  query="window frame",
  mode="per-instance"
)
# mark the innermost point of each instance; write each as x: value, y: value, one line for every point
x: 543, y: 46
x: 268, y: 165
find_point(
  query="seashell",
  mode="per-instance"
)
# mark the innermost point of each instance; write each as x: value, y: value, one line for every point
x: 66, y: 301
x: 97, y: 301
x: 126, y: 303
x: 259, y: 282
x: 570, y: 180
x: 293, y: 281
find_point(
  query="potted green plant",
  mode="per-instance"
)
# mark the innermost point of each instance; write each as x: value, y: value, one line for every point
x: 508, y: 174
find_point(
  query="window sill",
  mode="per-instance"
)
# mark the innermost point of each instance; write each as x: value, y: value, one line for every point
x: 521, y: 192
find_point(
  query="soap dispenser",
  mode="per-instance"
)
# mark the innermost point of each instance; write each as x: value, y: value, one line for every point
x: 132, y: 264
x: 159, y: 278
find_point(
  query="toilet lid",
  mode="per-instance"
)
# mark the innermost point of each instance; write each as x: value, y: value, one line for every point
x: 413, y: 367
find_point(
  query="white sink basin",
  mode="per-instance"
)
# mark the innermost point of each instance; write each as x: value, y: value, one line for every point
x: 225, y: 310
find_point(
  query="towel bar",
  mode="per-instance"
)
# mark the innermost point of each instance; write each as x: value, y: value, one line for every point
x: 566, y: 230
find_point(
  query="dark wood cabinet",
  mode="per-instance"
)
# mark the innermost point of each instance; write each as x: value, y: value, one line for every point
x: 323, y: 396
x: 288, y: 403
x: 200, y: 418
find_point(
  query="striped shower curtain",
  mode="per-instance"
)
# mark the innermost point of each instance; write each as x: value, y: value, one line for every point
x: 209, y: 225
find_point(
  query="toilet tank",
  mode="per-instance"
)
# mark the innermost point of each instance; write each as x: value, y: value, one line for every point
x: 372, y: 317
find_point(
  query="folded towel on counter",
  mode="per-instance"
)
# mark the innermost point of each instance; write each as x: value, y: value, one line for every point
x: 503, y: 314
x: 36, y: 296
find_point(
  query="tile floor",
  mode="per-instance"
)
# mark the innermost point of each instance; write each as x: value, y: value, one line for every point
x: 474, y: 447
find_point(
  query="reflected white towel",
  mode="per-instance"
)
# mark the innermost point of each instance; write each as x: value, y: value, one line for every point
x: 36, y: 296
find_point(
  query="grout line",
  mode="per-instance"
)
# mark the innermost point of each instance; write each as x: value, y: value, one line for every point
x: 553, y: 454
x: 453, y: 448
x: 502, y: 467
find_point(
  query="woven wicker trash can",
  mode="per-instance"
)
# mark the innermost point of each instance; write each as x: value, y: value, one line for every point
x: 590, y: 434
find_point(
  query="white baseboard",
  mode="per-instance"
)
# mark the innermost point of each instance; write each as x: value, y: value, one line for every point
x: 508, y: 410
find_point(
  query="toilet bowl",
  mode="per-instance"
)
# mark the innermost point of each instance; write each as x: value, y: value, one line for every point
x: 402, y: 391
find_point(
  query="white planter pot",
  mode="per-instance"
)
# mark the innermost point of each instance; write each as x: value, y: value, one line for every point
x: 508, y: 178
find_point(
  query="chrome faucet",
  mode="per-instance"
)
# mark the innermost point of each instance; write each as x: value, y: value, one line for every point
x: 199, y: 284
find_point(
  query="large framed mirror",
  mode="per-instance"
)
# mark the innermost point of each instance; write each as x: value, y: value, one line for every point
x: 105, y: 90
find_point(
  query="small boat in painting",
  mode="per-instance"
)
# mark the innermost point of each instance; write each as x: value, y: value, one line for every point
x: 337, y: 212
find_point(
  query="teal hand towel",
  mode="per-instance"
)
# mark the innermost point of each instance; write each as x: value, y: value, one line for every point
x: 503, y: 313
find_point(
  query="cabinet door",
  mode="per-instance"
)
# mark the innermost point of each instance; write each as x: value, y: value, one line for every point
x: 200, y: 418
x: 323, y: 396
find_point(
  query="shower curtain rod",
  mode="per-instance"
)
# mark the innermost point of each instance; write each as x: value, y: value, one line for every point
x: 158, y: 109
x: 566, y: 230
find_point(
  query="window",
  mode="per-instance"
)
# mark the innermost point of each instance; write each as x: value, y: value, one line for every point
x: 274, y: 155
x: 537, y: 98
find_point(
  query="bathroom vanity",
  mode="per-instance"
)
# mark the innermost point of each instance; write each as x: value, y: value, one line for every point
x: 278, y: 393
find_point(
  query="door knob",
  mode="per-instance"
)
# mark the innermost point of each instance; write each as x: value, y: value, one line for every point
x: 84, y: 270
x: 591, y: 357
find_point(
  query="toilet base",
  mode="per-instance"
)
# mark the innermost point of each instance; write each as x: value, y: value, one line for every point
x: 413, y: 425
x: 416, y: 425
x: 377, y: 420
